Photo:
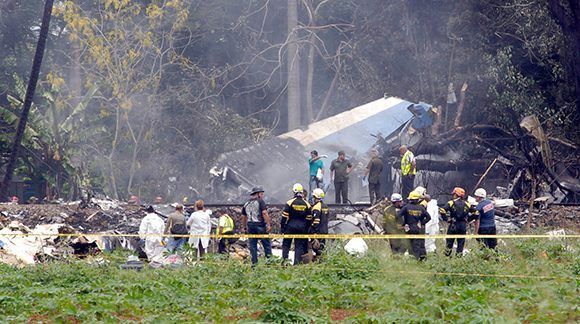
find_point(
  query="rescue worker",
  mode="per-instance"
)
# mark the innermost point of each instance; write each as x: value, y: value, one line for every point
x: 432, y: 227
x: 320, y: 214
x: 456, y: 212
x: 408, y: 170
x: 414, y: 217
x: 485, y: 219
x: 296, y: 219
x: 225, y: 227
x: 151, y: 226
x: 392, y: 224
x: 373, y: 171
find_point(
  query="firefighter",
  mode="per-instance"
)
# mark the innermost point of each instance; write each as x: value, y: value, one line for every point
x: 392, y: 224
x: 296, y: 219
x: 414, y: 217
x: 456, y: 212
x: 319, y: 221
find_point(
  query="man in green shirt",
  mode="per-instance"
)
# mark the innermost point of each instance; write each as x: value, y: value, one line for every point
x: 339, y: 171
x: 374, y: 169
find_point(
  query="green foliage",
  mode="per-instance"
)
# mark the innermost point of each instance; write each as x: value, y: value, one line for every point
x: 376, y: 288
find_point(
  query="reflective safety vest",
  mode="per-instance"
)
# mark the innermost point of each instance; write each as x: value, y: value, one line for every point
x: 227, y: 223
x: 407, y: 163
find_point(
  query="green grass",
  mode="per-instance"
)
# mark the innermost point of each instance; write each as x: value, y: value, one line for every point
x: 375, y: 288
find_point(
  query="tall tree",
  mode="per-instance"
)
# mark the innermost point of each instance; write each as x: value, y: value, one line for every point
x: 293, y: 65
x: 35, y: 71
x: 568, y: 17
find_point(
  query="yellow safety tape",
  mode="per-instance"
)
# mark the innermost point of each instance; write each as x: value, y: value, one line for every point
x: 305, y: 236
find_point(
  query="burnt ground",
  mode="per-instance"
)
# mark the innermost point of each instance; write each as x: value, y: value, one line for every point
x: 126, y: 218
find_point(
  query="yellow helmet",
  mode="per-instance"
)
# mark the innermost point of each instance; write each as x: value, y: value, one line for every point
x: 297, y: 188
x: 414, y: 195
x: 318, y: 193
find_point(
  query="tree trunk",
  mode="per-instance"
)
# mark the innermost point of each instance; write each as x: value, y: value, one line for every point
x: 570, y: 25
x: 36, y: 64
x: 293, y: 63
x: 309, y: 82
x: 457, y: 122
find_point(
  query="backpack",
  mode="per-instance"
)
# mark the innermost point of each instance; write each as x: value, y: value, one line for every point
x: 179, y: 229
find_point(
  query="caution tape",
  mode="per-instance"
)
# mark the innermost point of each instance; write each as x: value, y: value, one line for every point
x: 308, y: 236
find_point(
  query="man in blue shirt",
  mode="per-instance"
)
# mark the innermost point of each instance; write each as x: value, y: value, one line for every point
x: 315, y: 179
x: 485, y: 222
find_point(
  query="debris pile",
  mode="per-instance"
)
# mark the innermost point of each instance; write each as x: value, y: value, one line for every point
x: 113, y: 219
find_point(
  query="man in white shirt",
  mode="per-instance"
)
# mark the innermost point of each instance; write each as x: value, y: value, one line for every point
x: 150, y: 225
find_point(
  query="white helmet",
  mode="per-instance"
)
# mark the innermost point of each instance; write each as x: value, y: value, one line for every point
x: 480, y: 192
x: 421, y: 190
x: 396, y: 197
x: 297, y: 188
x: 318, y: 193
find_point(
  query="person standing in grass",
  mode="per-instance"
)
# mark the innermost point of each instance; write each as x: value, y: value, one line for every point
x: 176, y: 225
x: 256, y: 221
x: 414, y: 217
x: 485, y: 219
x: 199, y: 223
x: 225, y: 227
x: 392, y: 224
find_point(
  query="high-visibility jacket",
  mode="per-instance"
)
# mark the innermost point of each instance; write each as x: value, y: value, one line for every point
x: 227, y: 223
x: 407, y: 163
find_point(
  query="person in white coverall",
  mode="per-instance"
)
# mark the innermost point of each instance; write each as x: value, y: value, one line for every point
x: 199, y: 223
x: 432, y: 227
x: 152, y: 224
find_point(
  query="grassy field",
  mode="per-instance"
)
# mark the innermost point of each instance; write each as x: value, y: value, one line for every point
x: 374, y: 288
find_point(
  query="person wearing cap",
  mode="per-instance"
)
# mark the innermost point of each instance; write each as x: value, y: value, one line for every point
x: 256, y: 221
x: 176, y: 225
x: 408, y: 170
x: 320, y: 213
x: 296, y: 219
x: 413, y: 218
x: 374, y: 170
x: 150, y: 230
x: 316, y: 171
x: 199, y: 223
x: 339, y: 172
x: 485, y: 219
x: 456, y: 212
x: 392, y: 224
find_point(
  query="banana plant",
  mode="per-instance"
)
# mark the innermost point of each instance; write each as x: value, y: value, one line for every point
x: 51, y: 136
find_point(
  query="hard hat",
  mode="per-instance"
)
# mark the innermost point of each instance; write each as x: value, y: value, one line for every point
x: 458, y: 191
x: 318, y: 193
x: 414, y: 196
x: 297, y: 188
x: 480, y: 192
x: 421, y: 190
x: 396, y: 197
